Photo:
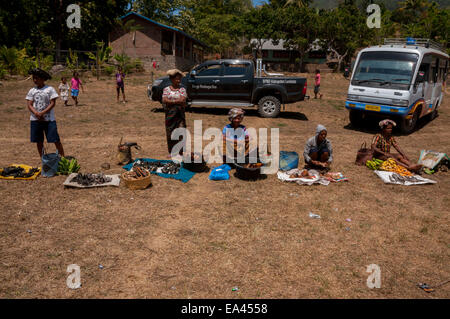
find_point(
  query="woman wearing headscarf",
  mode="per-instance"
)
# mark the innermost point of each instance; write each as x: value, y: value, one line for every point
x: 318, y: 152
x: 174, y: 102
x: 381, y: 146
x: 235, y: 135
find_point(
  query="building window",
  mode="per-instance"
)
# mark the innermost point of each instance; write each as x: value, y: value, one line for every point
x: 281, y: 54
x: 187, y: 49
x: 179, y: 45
x: 166, y: 43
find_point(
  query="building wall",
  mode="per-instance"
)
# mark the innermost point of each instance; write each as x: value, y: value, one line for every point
x: 147, y: 47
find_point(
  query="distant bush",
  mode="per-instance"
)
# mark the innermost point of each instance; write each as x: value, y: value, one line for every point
x: 14, y: 61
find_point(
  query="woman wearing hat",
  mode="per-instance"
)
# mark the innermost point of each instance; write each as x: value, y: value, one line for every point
x: 235, y: 137
x: 381, y: 146
x: 174, y: 102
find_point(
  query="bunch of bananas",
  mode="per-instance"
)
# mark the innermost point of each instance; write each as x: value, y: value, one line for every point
x: 66, y: 167
x: 391, y: 166
x: 374, y: 164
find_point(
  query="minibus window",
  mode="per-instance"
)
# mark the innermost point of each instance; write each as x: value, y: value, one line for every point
x: 393, y: 70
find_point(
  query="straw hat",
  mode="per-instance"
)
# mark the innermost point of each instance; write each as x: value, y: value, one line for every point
x: 174, y: 72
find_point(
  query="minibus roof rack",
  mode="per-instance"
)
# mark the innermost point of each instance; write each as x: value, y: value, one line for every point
x: 427, y: 43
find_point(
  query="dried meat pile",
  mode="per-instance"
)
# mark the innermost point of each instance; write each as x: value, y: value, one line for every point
x: 90, y: 179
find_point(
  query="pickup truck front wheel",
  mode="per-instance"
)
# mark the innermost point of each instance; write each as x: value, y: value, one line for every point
x: 269, y: 106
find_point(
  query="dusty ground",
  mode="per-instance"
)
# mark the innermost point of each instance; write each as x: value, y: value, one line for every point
x: 201, y: 239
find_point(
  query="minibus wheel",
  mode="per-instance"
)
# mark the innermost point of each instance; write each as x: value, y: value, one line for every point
x: 407, y: 125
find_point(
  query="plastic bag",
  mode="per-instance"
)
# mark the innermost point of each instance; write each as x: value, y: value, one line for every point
x: 220, y: 173
x: 288, y: 160
x: 50, y: 164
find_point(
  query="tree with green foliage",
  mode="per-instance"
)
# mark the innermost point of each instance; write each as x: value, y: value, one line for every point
x: 298, y: 26
x: 259, y: 24
x: 343, y: 31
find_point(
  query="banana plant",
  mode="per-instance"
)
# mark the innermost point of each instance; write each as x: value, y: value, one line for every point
x: 101, y: 56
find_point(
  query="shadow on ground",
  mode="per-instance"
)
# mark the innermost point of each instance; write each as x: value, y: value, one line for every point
x: 248, y: 112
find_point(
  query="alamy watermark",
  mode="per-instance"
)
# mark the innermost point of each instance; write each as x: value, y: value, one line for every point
x: 374, y: 279
x: 74, y: 279
x: 249, y: 146
x: 374, y: 19
x: 73, y: 20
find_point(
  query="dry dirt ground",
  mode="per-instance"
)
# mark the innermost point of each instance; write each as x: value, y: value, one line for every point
x: 202, y: 238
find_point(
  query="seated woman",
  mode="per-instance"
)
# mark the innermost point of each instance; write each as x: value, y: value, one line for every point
x: 235, y: 137
x: 318, y: 152
x: 381, y: 147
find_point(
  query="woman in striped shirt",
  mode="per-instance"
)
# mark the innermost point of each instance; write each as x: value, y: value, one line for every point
x: 381, y: 147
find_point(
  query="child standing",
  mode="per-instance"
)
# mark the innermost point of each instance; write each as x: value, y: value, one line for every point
x: 119, y: 84
x: 317, y: 85
x: 64, y: 90
x: 41, y: 101
x: 75, y: 87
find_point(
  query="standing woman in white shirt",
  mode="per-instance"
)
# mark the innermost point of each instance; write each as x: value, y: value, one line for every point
x: 174, y: 102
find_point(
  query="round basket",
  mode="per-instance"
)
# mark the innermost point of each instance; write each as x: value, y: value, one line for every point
x: 132, y: 183
x: 195, y: 167
x: 192, y: 166
x: 247, y: 173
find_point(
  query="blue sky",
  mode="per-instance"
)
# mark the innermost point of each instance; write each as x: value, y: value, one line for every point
x: 256, y: 2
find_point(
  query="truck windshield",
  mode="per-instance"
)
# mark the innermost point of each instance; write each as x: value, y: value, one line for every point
x: 392, y: 70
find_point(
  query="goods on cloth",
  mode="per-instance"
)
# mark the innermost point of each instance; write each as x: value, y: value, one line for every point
x: 391, y: 165
x: 394, y: 178
x: 50, y: 163
x: 19, y: 171
x: 163, y: 168
x: 302, y: 177
x: 364, y: 154
x: 124, y: 152
x: 374, y: 164
x: 288, y: 160
x: 91, y: 180
x: 68, y: 165
x: 137, y: 178
x: 220, y: 173
x: 432, y: 159
x: 335, y: 177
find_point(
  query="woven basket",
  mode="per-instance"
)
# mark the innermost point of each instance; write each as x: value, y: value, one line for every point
x: 247, y: 173
x: 140, y: 183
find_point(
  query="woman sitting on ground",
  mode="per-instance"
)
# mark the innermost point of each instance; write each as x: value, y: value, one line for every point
x: 235, y: 137
x: 318, y: 152
x: 381, y: 147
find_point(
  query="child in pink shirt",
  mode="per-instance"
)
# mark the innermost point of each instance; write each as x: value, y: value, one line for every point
x: 75, y: 84
x: 317, y: 85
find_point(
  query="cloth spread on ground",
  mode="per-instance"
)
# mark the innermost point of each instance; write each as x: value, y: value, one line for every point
x: 316, y: 178
x: 115, y: 181
x: 26, y: 169
x: 183, y: 175
x: 394, y: 178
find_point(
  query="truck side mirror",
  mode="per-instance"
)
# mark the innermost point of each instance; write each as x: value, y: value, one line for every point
x: 193, y: 73
x: 420, y: 77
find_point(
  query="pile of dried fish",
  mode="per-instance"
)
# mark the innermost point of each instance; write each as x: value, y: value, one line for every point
x: 167, y: 168
x: 18, y: 171
x: 171, y: 168
x: 396, y: 178
x: 90, y: 179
